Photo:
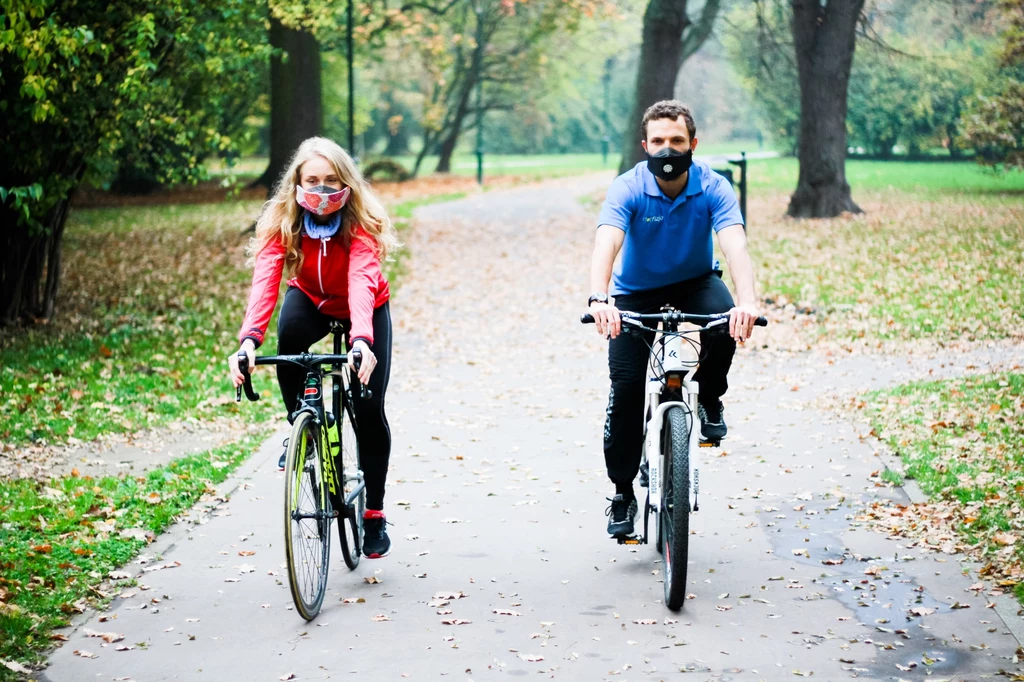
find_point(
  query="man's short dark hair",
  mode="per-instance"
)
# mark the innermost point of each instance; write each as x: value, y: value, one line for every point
x: 669, y: 108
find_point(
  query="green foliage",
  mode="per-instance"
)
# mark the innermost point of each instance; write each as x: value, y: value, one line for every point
x: 912, y: 97
x: 904, y: 92
x: 994, y: 120
x: 83, y: 81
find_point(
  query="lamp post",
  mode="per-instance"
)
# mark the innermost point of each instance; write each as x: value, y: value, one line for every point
x: 606, y: 139
x: 478, y: 58
x: 351, y: 86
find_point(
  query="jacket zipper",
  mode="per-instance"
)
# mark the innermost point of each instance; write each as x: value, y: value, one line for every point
x: 320, y: 263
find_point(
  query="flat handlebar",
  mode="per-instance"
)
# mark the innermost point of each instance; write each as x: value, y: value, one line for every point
x: 672, y: 316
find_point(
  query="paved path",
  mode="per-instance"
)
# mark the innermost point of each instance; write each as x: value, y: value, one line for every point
x: 497, y: 491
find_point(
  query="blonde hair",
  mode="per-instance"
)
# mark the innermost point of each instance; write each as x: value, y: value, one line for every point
x: 281, y: 217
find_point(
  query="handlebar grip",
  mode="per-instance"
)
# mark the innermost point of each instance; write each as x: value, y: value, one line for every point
x: 586, y: 318
x: 357, y: 359
x: 243, y: 367
x: 761, y: 322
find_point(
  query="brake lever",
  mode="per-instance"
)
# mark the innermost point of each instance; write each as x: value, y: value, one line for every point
x: 357, y: 359
x: 243, y: 367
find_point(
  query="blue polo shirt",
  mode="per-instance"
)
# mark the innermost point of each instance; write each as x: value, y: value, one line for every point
x: 667, y: 241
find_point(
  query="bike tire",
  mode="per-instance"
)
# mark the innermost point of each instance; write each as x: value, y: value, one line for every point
x: 674, y: 516
x: 352, y: 525
x: 307, y: 518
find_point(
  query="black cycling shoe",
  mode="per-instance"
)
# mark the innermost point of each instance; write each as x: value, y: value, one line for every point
x: 621, y: 513
x: 376, y: 542
x: 712, y: 420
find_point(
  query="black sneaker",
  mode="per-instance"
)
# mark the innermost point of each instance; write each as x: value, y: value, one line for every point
x: 712, y: 420
x: 621, y: 513
x: 376, y: 542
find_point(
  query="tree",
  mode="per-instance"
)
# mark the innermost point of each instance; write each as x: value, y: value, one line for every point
x: 669, y: 38
x: 81, y: 81
x: 296, y: 109
x: 994, y: 122
x: 824, y: 37
x: 508, y: 45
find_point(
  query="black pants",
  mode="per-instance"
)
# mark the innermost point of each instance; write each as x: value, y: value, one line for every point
x: 627, y: 367
x: 299, y: 326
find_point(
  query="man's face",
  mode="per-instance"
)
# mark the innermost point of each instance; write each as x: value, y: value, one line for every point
x: 664, y: 132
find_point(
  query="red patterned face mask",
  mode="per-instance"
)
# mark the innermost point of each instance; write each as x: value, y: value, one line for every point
x: 322, y: 200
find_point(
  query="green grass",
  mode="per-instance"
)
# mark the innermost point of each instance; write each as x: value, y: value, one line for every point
x: 60, y: 541
x: 153, y: 300
x: 917, y: 177
x: 962, y: 440
x: 945, y: 267
x: 153, y: 297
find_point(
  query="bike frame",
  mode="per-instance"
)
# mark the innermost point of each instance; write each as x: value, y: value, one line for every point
x: 672, y: 357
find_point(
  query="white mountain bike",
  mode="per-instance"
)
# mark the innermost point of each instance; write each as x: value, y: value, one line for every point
x: 671, y: 442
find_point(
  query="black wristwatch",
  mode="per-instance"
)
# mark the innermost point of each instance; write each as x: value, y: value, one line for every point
x: 599, y: 298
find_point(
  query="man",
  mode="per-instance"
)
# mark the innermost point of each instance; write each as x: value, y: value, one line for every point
x: 661, y: 215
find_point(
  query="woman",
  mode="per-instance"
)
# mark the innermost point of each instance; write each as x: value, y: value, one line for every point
x: 327, y: 229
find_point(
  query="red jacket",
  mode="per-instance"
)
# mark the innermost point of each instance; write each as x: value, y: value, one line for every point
x: 344, y: 283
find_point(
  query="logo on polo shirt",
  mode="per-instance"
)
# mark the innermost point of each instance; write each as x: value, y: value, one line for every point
x: 654, y: 218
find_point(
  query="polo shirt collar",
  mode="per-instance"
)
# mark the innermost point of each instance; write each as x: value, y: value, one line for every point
x: 652, y: 188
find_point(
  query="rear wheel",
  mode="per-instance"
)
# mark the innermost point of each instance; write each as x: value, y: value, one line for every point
x: 307, y: 517
x: 351, y: 527
x: 674, y: 516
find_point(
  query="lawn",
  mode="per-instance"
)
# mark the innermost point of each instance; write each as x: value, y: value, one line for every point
x: 962, y: 440
x: 935, y: 257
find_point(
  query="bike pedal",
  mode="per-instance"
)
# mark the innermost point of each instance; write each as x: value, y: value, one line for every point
x: 631, y: 540
x: 710, y: 443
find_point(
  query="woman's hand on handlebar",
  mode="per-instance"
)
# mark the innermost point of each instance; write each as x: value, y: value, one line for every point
x: 368, y: 362
x: 606, y: 319
x: 248, y: 347
x: 741, y: 321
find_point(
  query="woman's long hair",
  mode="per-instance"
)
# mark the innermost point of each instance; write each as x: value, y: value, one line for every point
x: 281, y: 218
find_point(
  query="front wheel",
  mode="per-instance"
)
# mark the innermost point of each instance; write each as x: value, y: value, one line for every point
x: 674, y: 515
x: 351, y: 475
x: 307, y: 517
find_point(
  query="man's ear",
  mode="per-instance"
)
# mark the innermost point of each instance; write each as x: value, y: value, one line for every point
x: 693, y: 144
x: 643, y: 143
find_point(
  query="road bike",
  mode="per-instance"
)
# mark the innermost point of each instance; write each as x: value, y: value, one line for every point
x: 323, y: 480
x: 671, y: 442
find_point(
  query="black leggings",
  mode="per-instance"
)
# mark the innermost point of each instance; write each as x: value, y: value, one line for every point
x: 299, y: 326
x: 627, y: 366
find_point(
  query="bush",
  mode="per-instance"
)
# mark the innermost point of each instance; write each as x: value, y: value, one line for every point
x: 388, y: 170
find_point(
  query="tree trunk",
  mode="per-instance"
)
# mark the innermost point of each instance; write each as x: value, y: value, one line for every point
x: 296, y: 109
x: 824, y: 36
x: 454, y: 129
x: 660, y: 58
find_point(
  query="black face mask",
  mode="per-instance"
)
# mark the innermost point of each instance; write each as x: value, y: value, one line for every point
x: 668, y: 164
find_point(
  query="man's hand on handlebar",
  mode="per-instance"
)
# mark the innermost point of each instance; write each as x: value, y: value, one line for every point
x: 249, y: 348
x: 606, y: 319
x: 741, y: 321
